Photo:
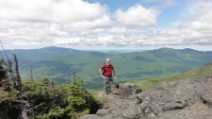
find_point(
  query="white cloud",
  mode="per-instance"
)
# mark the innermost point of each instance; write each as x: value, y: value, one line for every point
x: 72, y: 23
x: 118, y: 29
x: 60, y: 11
x: 199, y: 23
x: 57, y: 30
x: 66, y: 41
x: 79, y: 25
x: 49, y: 22
x: 137, y: 15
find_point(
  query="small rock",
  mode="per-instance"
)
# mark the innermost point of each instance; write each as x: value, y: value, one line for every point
x: 103, y: 112
x: 90, y: 116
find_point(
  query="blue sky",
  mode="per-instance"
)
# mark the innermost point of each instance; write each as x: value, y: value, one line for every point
x: 169, y: 14
x: 106, y: 24
x: 113, y: 5
x: 172, y: 14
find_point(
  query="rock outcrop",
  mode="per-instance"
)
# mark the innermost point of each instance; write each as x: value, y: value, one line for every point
x: 174, y: 99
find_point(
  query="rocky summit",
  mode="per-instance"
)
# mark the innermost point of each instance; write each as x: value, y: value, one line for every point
x: 174, y: 99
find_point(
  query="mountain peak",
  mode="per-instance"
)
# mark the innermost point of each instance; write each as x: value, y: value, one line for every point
x: 172, y: 49
x: 56, y: 48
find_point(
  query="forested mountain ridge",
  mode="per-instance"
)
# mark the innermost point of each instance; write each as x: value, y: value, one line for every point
x: 60, y: 63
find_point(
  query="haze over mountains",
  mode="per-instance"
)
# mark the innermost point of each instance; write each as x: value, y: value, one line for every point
x: 60, y: 63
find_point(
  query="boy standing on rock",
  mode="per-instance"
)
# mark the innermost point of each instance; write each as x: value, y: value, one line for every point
x: 107, y: 73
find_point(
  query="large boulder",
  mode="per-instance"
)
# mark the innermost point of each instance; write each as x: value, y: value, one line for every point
x: 127, y: 90
x: 178, y: 99
x: 174, y: 99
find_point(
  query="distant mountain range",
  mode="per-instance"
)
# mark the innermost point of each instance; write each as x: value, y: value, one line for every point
x: 60, y: 63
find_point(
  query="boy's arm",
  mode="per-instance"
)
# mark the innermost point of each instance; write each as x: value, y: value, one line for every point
x: 114, y: 73
x: 100, y: 71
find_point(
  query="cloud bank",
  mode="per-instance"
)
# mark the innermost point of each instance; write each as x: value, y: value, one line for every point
x: 78, y: 23
x: 137, y: 15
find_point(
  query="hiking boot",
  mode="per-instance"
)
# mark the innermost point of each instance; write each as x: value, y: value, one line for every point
x: 117, y: 86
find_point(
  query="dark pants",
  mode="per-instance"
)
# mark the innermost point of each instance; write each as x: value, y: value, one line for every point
x: 107, y: 81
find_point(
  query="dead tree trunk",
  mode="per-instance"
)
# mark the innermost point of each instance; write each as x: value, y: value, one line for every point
x: 18, y: 78
x: 74, y: 75
x: 31, y: 74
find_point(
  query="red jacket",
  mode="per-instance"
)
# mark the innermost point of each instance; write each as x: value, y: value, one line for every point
x: 107, y: 70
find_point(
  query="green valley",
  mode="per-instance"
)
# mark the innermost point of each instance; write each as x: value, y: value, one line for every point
x: 60, y: 63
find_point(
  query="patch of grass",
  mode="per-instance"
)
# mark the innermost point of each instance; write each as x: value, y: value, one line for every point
x: 195, y: 73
